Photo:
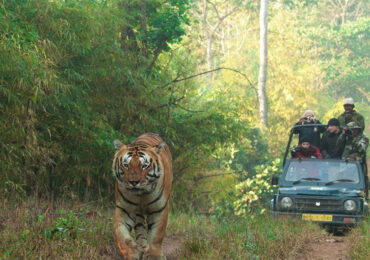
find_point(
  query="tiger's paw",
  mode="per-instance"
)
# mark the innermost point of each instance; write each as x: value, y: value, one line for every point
x: 132, y: 255
x: 130, y: 251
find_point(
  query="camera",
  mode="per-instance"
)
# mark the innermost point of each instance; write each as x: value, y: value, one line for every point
x: 307, y: 118
x: 295, y: 150
x: 348, y: 131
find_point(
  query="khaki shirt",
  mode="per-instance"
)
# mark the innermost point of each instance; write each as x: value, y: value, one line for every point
x: 356, y: 117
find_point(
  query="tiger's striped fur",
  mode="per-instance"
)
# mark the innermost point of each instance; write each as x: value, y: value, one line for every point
x: 143, y: 171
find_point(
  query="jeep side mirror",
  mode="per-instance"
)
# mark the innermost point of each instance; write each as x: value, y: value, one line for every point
x: 275, y: 180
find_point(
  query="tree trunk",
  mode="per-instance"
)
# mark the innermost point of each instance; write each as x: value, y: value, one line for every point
x: 210, y: 33
x: 144, y: 28
x: 209, y: 52
x: 207, y: 35
x: 263, y: 64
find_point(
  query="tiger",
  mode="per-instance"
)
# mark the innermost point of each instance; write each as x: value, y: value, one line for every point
x: 143, y: 173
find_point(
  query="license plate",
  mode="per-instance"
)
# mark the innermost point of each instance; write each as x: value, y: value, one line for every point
x: 317, y: 217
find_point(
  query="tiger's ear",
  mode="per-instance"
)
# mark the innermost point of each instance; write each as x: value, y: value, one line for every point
x: 118, y: 144
x: 160, y: 147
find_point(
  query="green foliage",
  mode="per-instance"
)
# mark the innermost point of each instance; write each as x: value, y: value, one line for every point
x: 66, y: 226
x: 253, y: 194
x: 164, y: 24
x: 50, y: 130
x: 75, y: 75
x: 348, y: 50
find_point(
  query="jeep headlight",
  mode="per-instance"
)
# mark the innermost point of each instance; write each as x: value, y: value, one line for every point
x: 350, y: 205
x: 286, y: 202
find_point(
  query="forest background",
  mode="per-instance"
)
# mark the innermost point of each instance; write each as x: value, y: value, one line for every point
x: 77, y: 74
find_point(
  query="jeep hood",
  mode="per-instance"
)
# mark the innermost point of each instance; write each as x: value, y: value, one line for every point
x: 319, y: 190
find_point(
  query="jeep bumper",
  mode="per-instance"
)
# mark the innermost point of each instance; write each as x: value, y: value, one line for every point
x: 324, y: 218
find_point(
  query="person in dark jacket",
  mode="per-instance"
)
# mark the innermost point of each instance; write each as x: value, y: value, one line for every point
x: 329, y: 147
x: 306, y: 149
x: 308, y: 118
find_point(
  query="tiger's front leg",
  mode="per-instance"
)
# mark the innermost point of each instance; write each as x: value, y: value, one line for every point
x: 141, y: 233
x: 123, y: 224
x: 157, y: 223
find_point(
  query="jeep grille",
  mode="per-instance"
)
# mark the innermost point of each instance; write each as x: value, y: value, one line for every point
x: 318, y: 204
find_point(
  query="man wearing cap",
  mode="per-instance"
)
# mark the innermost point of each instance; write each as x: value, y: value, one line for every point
x: 354, y: 142
x: 328, y: 146
x: 350, y: 115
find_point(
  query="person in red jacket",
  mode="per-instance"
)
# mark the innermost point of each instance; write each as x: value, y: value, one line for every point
x: 306, y: 149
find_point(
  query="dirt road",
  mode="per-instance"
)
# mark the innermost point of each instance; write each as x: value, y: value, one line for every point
x: 172, y: 246
x: 326, y: 247
x: 323, y: 247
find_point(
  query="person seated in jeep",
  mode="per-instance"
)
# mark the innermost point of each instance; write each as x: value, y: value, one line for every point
x: 306, y: 149
x: 328, y: 146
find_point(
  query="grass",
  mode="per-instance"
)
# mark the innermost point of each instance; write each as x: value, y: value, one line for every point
x: 259, y: 237
x: 31, y: 229
x: 360, y: 241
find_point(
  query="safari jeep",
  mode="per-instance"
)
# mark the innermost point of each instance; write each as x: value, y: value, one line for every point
x: 325, y: 191
x: 332, y: 192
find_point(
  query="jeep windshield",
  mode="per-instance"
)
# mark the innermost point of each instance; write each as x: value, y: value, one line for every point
x: 328, y: 172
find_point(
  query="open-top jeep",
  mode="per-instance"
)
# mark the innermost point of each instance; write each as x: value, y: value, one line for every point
x: 328, y: 191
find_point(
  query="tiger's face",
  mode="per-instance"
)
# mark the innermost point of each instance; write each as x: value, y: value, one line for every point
x: 137, y: 168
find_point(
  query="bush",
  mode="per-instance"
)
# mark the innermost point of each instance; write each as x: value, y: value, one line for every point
x: 253, y: 194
